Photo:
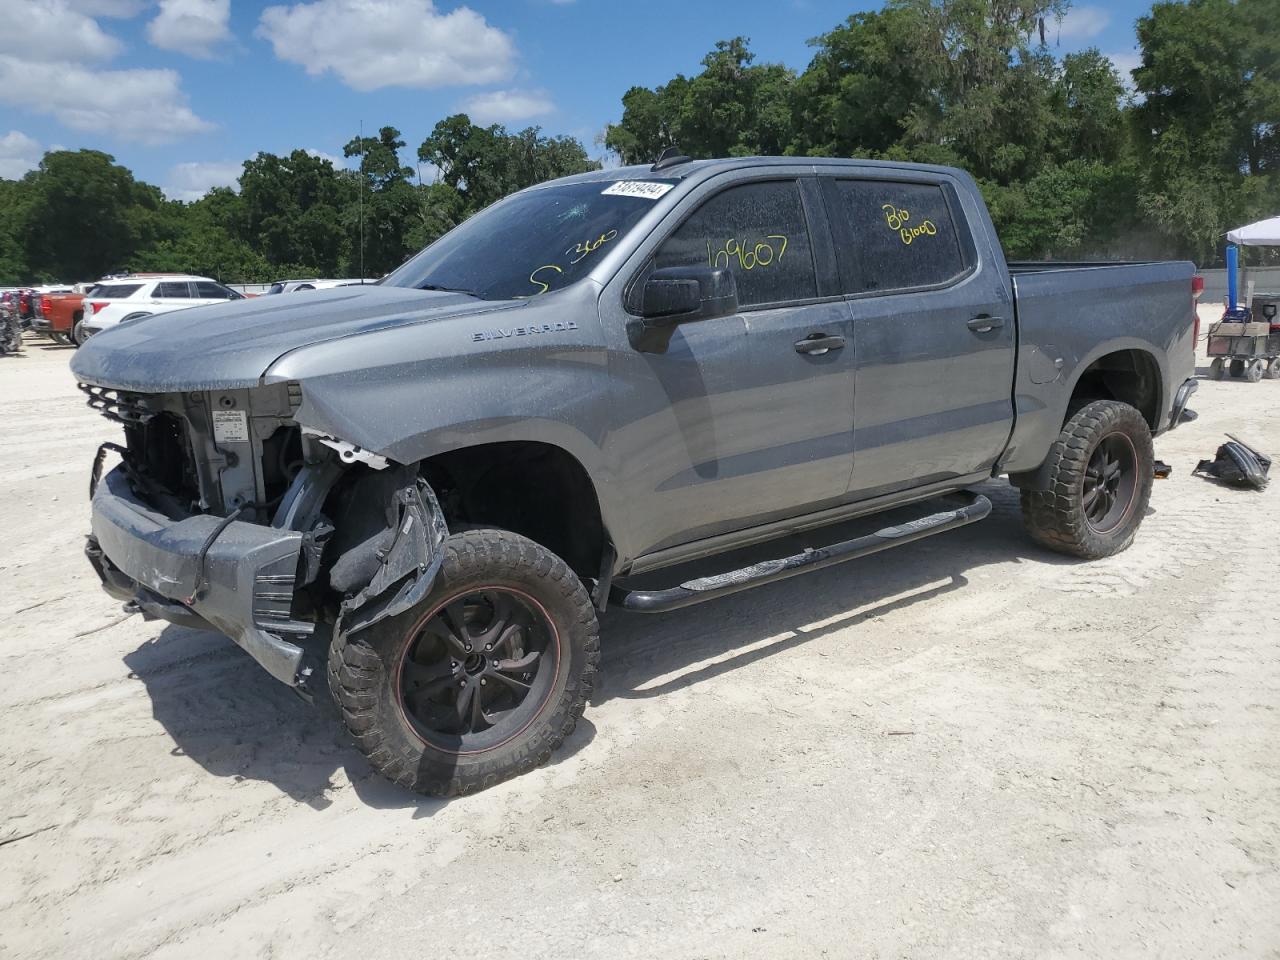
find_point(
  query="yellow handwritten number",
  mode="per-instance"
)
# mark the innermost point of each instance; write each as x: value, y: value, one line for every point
x: 760, y: 255
x: 582, y: 249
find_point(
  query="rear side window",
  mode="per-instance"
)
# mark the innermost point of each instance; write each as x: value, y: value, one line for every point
x: 114, y: 291
x: 758, y: 231
x: 903, y: 235
x: 173, y: 290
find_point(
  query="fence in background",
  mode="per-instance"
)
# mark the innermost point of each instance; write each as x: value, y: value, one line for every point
x: 1266, y: 280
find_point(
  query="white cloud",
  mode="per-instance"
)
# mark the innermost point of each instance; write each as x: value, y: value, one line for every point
x: 1125, y: 63
x: 144, y: 105
x: 372, y: 44
x: 46, y: 29
x: 121, y: 9
x: 1083, y: 23
x: 18, y: 154
x: 191, y: 181
x: 504, y: 106
x: 193, y: 27
x: 338, y: 162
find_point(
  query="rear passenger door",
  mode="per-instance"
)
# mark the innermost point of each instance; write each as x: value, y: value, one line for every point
x: 174, y: 294
x: 933, y: 333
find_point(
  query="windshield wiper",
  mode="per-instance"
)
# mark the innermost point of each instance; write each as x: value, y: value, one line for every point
x: 436, y: 286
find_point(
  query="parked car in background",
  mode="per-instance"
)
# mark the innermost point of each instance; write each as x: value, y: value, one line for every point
x: 56, y: 315
x: 293, y: 286
x: 144, y: 294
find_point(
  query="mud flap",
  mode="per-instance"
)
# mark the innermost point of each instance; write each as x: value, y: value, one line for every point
x: 407, y: 568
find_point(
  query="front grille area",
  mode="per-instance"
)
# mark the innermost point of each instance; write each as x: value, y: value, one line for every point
x: 159, y: 448
x: 117, y: 405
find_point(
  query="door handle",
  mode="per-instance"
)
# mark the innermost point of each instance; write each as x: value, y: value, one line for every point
x: 985, y: 324
x: 816, y: 344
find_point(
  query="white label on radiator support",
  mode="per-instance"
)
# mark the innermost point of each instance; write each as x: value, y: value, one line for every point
x: 230, y: 426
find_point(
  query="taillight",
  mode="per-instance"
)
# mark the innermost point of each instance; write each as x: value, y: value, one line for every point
x: 46, y: 306
x: 96, y: 306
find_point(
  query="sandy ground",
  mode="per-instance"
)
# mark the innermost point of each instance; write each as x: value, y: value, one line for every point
x: 965, y: 748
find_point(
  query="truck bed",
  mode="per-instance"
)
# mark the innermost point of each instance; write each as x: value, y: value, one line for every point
x: 1071, y: 314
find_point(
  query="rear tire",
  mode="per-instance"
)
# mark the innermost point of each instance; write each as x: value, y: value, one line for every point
x: 77, y: 334
x: 1273, y: 371
x: 1237, y: 368
x: 1218, y: 369
x: 482, y: 679
x: 1100, y: 476
x: 1253, y: 373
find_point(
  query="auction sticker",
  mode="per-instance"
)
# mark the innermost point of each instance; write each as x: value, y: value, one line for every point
x: 647, y: 189
x: 230, y: 426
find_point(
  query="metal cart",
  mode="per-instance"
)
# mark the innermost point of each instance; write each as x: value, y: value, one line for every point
x: 1246, y: 341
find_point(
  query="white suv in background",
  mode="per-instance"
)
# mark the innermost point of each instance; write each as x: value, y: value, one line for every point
x: 293, y: 286
x: 142, y: 294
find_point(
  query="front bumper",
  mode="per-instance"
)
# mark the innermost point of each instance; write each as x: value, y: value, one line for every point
x: 240, y: 584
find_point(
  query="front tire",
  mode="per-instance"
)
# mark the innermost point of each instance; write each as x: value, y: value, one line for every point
x: 482, y: 679
x: 1100, y: 476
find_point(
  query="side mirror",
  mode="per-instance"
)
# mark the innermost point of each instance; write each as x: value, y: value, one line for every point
x: 675, y: 295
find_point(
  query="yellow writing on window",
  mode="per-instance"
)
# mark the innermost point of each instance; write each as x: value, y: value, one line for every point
x: 582, y: 249
x: 896, y: 218
x: 748, y: 257
x: 533, y: 278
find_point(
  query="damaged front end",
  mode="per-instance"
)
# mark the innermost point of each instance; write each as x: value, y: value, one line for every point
x: 226, y: 514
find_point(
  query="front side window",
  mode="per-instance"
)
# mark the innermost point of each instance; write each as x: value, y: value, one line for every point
x: 207, y: 290
x: 759, y: 232
x: 535, y: 242
x: 903, y: 234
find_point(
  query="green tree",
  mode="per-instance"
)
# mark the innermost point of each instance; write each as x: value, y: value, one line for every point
x: 860, y: 88
x: 484, y: 164
x: 1206, y: 126
x: 290, y: 210
x: 386, y: 208
x: 734, y: 107
x: 85, y: 215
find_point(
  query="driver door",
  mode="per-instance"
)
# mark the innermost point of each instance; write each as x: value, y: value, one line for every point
x: 742, y: 420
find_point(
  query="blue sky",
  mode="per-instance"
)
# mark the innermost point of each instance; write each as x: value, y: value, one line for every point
x: 183, y: 91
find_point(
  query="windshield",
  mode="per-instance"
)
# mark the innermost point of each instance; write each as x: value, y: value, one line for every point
x: 533, y: 242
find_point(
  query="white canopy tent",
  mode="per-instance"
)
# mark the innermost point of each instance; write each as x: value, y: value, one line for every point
x: 1264, y: 233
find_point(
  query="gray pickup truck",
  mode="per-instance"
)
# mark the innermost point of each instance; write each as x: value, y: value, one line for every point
x: 428, y: 488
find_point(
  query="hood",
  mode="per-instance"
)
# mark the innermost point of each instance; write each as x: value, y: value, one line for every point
x: 230, y: 345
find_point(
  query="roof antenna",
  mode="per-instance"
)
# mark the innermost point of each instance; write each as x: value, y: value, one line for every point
x: 670, y: 157
x: 362, y: 198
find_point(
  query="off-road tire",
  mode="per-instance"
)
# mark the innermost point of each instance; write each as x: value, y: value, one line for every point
x: 364, y: 670
x: 1056, y: 517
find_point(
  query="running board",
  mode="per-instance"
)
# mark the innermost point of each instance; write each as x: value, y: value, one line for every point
x: 723, y: 584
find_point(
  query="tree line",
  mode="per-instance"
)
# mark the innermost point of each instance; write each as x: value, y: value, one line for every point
x: 1073, y: 158
x: 81, y: 215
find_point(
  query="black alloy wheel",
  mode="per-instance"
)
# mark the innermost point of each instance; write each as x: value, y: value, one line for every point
x: 478, y: 669
x: 1110, y: 482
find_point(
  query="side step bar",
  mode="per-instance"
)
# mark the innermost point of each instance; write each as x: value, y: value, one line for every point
x: 767, y: 571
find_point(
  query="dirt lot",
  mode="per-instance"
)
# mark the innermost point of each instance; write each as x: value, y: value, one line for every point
x: 967, y: 747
